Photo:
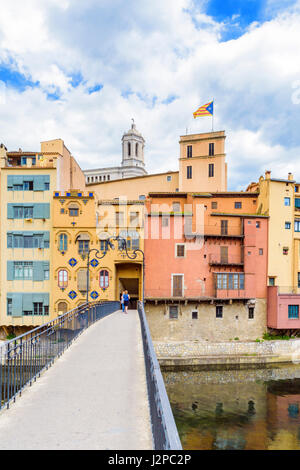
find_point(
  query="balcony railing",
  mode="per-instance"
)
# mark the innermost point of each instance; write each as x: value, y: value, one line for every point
x: 225, y: 260
x: 24, y: 358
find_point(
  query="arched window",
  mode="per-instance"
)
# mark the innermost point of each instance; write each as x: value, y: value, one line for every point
x: 62, y: 308
x: 136, y: 149
x: 104, y: 279
x: 129, y: 149
x: 63, y: 242
x: 62, y: 278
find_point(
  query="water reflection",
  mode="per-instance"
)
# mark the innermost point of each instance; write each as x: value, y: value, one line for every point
x: 246, y: 409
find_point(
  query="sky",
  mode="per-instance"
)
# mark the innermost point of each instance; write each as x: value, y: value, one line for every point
x: 81, y: 71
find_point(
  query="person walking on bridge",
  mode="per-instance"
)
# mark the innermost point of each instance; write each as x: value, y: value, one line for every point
x: 126, y: 298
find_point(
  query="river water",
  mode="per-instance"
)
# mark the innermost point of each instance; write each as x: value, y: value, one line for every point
x: 237, y: 409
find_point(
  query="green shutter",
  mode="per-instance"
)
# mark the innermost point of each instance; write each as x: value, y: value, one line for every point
x: 38, y: 271
x: 10, y: 270
x: 27, y: 303
x: 17, y: 305
x: 10, y: 211
x: 38, y: 183
x: 46, y: 300
x: 41, y: 211
x: 18, y: 179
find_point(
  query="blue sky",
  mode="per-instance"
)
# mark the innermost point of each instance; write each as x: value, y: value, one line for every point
x: 82, y: 70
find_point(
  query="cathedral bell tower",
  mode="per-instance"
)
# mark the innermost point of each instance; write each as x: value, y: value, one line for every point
x: 133, y: 145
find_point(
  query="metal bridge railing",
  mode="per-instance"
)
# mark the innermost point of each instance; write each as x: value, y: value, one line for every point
x: 164, y: 430
x: 23, y: 358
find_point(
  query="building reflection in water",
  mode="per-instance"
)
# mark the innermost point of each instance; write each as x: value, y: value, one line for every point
x: 237, y: 409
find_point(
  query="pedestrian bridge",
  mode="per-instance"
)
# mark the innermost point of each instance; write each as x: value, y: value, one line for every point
x: 87, y: 380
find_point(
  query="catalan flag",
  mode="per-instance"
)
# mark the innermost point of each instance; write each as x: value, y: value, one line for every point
x: 206, y: 110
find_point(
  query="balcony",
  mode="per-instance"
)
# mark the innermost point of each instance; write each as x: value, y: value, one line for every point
x: 214, y: 231
x: 225, y: 260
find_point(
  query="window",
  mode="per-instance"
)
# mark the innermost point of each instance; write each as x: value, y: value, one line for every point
x: 165, y: 221
x: 37, y: 308
x: 173, y: 312
x: 63, y: 242
x: 180, y: 251
x: 219, y: 311
x: 237, y: 205
x: 189, y: 151
x: 18, y: 270
x: 73, y: 211
x: 299, y: 280
x: 271, y: 281
x: 297, y: 225
x: 103, y: 245
x: 287, y: 201
x: 285, y: 250
x: 251, y: 313
x: 83, y: 246
x: 224, y: 227
x: 129, y: 148
x: 136, y: 149
x: 63, y: 278
x: 189, y: 172
x: 9, y: 306
x: 119, y: 218
x: 142, y: 197
x: 296, y: 189
x: 257, y: 224
x: 195, y: 315
x: 169, y: 178
x: 28, y: 185
x: 62, y: 308
x: 211, y: 170
x: 214, y: 205
x: 104, y: 279
x: 134, y: 219
x: 230, y: 281
x: 288, y: 225
x: 293, y: 312
x: 297, y: 203
x: 177, y: 285
x: 21, y: 212
x: 261, y: 251
x: 176, y: 207
x: 28, y: 269
x: 211, y: 149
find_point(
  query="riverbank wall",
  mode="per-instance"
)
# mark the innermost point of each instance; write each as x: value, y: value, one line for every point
x: 198, y: 353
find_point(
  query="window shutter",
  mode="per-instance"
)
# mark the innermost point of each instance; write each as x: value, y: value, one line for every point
x: 38, y: 183
x: 41, y: 211
x: 38, y: 271
x: 17, y: 305
x: 10, y: 211
x: 27, y: 302
x: 18, y: 179
x: 10, y: 270
x: 46, y: 300
x: 81, y: 280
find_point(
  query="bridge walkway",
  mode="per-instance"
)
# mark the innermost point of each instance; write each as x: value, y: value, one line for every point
x: 93, y: 397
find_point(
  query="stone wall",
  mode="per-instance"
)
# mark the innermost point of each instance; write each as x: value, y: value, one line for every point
x: 206, y: 327
x: 203, y: 352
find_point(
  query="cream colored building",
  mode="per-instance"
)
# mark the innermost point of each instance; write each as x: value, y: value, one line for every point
x: 28, y: 180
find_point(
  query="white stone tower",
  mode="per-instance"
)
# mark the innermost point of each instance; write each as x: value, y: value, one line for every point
x: 133, y: 145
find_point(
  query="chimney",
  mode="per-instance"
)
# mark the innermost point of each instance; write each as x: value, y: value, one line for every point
x: 290, y: 177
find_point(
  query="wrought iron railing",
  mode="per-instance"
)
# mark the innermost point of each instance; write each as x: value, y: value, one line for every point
x: 164, y: 430
x: 23, y: 358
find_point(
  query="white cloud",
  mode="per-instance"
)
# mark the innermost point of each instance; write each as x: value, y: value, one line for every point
x: 152, y: 51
